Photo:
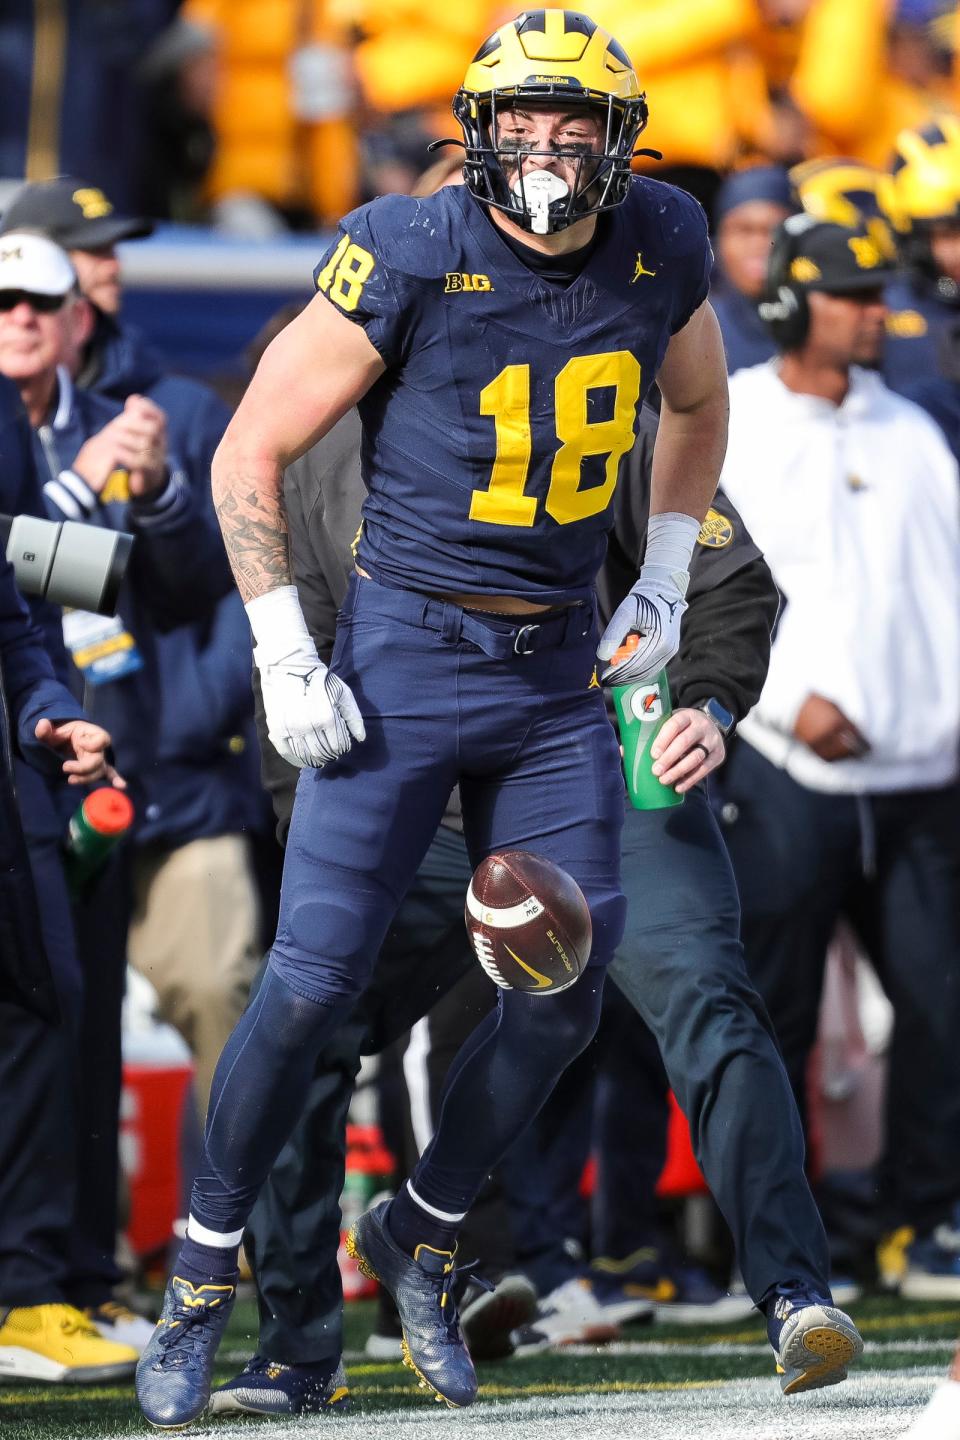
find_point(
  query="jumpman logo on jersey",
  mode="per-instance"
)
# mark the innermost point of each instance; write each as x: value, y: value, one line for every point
x: 641, y: 270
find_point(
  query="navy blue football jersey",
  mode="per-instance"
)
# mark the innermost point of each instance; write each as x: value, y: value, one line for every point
x: 493, y: 443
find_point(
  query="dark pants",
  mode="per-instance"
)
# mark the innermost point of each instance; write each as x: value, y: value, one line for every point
x: 60, y: 1089
x: 447, y: 696
x: 681, y: 966
x: 100, y: 921
x: 611, y: 1104
x: 293, y: 1232
x: 890, y: 864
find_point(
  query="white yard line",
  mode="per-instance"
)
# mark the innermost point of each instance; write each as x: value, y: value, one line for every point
x: 875, y: 1406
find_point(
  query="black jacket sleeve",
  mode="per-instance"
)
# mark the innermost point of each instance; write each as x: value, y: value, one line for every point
x: 732, y: 600
x: 725, y: 641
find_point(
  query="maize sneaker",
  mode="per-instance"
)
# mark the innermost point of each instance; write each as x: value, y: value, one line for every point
x: 570, y: 1315
x: 119, y: 1323
x: 175, y: 1369
x: 59, y: 1343
x: 422, y: 1289
x: 645, y: 1287
x: 813, y: 1341
x: 269, y: 1387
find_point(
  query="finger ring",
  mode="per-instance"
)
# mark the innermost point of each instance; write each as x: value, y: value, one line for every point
x: 699, y: 746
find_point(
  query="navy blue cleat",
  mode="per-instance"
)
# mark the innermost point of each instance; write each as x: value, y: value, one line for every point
x: 813, y: 1341
x: 269, y: 1387
x: 173, y: 1376
x: 422, y: 1289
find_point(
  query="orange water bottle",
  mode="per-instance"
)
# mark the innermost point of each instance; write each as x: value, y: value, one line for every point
x: 95, y: 828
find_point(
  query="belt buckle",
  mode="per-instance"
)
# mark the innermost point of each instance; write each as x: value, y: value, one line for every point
x: 522, y: 646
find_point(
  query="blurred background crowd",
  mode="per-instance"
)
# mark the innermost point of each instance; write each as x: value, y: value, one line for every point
x: 261, y: 115
x: 187, y: 134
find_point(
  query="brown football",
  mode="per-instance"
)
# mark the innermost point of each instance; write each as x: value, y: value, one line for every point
x: 528, y: 923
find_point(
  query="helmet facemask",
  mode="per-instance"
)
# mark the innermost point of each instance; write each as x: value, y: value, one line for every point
x: 499, y: 171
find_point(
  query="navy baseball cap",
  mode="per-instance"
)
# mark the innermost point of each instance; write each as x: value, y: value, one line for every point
x: 835, y: 258
x: 77, y: 215
x: 758, y: 182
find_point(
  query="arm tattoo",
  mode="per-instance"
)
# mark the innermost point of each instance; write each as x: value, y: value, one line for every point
x: 254, y: 528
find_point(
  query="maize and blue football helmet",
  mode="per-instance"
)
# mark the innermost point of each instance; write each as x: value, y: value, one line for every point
x: 550, y: 58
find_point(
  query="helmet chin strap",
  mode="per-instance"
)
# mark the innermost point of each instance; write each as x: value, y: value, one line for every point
x: 537, y: 191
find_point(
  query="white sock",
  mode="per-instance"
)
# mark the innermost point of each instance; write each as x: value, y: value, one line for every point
x: 217, y: 1240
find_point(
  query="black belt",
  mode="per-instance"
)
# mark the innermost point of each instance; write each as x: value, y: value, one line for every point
x: 502, y: 637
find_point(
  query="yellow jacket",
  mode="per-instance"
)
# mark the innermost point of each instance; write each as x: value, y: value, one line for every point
x: 709, y: 67
x: 263, y: 144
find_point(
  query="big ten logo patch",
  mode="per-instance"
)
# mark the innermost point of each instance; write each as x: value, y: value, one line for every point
x: 459, y: 283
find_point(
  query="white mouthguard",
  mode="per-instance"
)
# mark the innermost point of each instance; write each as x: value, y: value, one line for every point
x: 539, y: 188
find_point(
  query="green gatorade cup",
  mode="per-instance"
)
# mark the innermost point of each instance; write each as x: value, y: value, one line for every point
x: 642, y: 708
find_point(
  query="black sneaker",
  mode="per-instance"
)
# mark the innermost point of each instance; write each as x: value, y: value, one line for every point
x: 268, y: 1387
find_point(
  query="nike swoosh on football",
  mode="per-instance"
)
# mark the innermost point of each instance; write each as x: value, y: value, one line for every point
x: 543, y: 981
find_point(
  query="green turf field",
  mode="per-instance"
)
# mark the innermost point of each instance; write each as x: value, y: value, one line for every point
x: 659, y: 1383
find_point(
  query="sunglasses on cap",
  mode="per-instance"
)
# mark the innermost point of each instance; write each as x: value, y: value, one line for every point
x: 42, y: 304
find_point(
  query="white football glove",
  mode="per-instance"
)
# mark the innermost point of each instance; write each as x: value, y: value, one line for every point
x: 652, y: 609
x: 312, y: 718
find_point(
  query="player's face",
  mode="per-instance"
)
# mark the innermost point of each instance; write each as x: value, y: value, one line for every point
x: 848, y: 329
x: 550, y: 139
x: 744, y: 237
x: 945, y: 248
x: 99, y: 274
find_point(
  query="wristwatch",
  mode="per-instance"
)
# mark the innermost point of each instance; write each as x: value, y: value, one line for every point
x: 719, y: 714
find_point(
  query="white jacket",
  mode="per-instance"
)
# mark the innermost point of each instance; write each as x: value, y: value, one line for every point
x: 857, y: 509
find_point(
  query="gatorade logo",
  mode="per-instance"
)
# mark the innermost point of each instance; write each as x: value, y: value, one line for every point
x: 647, y: 704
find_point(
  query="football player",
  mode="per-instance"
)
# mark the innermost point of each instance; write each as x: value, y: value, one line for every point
x: 498, y: 338
x: 922, y: 198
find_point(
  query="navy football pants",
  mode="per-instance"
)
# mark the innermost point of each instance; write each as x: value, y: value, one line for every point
x: 447, y: 695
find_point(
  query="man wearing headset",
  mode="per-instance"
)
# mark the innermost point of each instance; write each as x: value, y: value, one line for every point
x: 841, y: 793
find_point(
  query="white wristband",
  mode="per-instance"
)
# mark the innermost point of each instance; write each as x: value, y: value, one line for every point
x: 278, y: 625
x: 670, y: 540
